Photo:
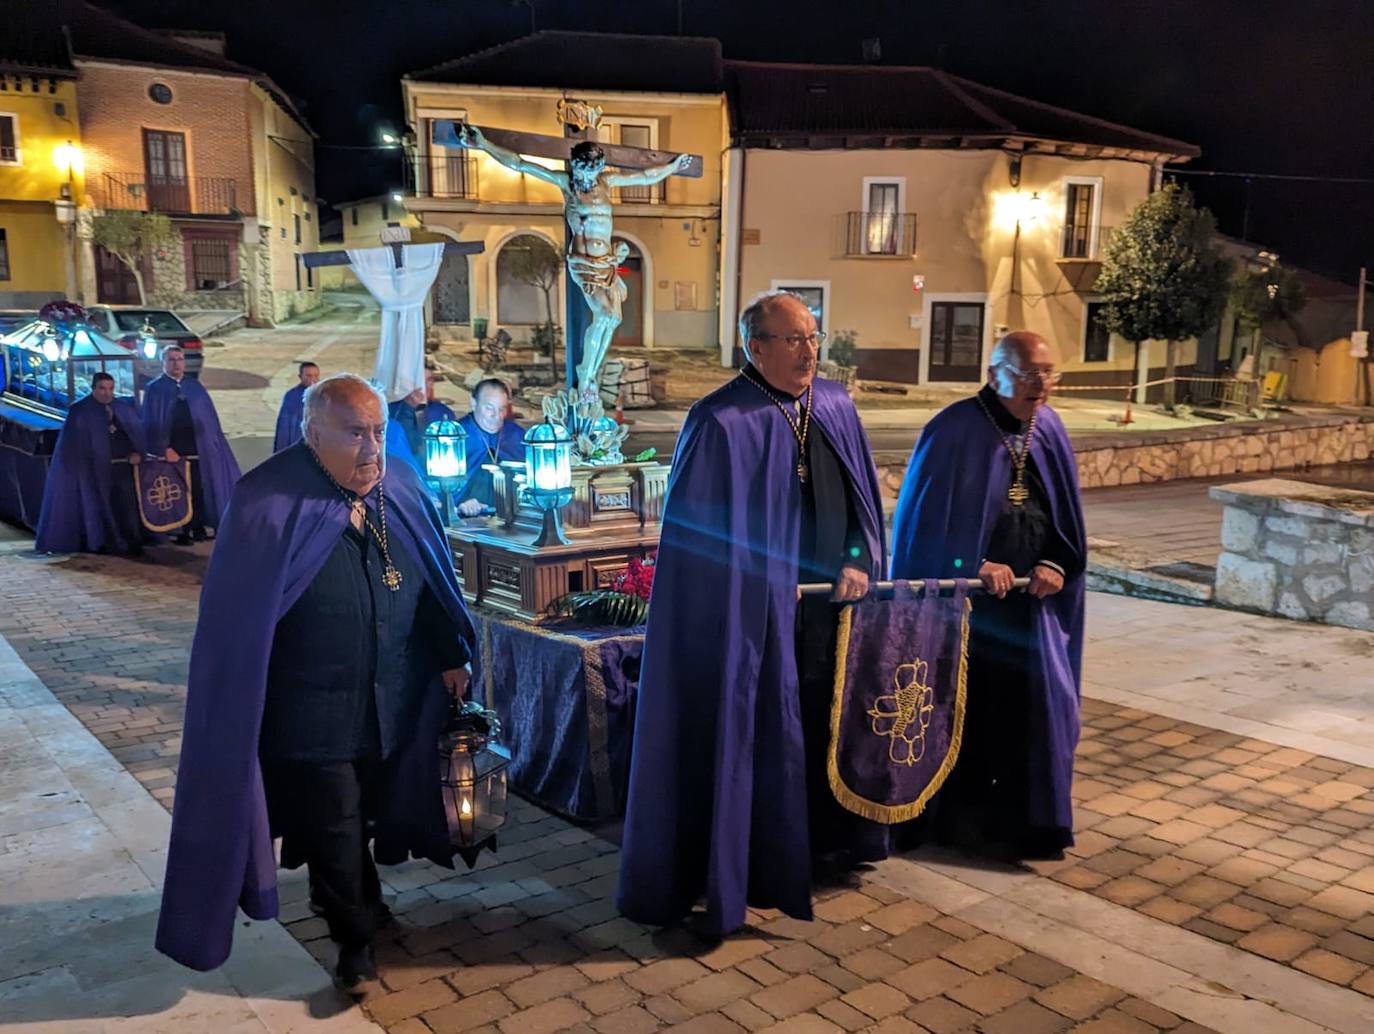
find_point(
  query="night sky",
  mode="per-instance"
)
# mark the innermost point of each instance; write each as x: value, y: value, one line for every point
x: 1262, y: 86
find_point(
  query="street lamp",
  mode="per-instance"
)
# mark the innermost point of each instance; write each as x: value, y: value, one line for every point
x: 548, y: 477
x: 446, y: 461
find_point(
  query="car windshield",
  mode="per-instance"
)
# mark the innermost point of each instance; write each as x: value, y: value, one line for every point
x: 131, y: 321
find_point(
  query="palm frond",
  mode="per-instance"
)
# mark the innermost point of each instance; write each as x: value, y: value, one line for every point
x: 601, y: 607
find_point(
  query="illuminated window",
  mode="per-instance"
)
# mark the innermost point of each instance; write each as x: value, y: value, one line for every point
x: 1082, y: 211
x: 4, y: 257
x: 9, y: 139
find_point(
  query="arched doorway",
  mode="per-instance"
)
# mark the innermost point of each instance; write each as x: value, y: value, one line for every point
x: 451, y: 298
x: 528, y: 269
x: 630, y: 333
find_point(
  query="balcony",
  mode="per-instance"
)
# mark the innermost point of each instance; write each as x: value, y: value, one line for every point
x: 452, y: 177
x: 655, y: 194
x: 1085, y: 243
x: 139, y: 192
x: 880, y: 234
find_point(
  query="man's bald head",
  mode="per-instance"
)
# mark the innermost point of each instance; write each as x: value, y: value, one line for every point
x: 345, y: 425
x: 1022, y: 372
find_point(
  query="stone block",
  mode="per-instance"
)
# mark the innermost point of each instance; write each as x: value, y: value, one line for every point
x: 1362, y: 573
x: 1244, y: 583
x: 1321, y: 587
x: 1285, y: 553
x: 1322, y: 553
x: 1350, y: 614
x: 1290, y: 606
x: 1295, y: 526
x: 1239, y: 530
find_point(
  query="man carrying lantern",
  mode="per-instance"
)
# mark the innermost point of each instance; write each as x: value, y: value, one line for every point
x: 992, y: 491
x: 773, y: 484
x: 327, y: 747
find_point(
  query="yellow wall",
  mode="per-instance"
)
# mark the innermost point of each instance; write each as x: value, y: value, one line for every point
x: 966, y: 243
x: 509, y: 202
x: 1330, y: 375
x: 37, y: 242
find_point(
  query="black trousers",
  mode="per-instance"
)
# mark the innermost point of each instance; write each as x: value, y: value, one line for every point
x: 322, y: 810
x: 124, y: 503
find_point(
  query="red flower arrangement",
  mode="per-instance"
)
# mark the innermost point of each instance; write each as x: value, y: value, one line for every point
x: 638, y: 577
x: 62, y: 312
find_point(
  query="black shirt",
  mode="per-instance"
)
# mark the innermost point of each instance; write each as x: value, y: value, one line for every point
x: 182, y: 436
x: 121, y: 445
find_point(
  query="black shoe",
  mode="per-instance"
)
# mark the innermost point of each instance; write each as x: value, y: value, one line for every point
x: 182, y: 540
x: 356, y: 973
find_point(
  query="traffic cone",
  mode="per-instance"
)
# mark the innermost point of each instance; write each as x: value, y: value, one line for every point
x: 1126, y: 416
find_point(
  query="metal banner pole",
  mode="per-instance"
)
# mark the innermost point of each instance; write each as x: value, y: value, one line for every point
x: 885, y: 588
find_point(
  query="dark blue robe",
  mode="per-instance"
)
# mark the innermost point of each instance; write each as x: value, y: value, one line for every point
x: 289, y: 419
x: 81, y: 510
x: 219, y: 470
x: 717, y: 799
x: 405, y: 435
x: 281, y: 525
x: 954, y: 491
x: 508, y: 443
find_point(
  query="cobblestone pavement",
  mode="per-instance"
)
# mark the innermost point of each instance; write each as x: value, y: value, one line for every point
x: 1211, y: 839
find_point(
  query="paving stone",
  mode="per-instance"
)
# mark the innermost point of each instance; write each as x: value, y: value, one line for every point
x: 631, y: 1020
x: 1276, y: 942
x: 1352, y: 946
x: 877, y: 1000
x: 608, y: 996
x: 1345, y: 902
x: 793, y: 996
x: 1237, y: 918
x: 1149, y: 1013
x: 806, y: 1023
x: 848, y: 938
x: 469, y: 1013
x: 846, y: 1017
x: 1079, y: 997
x: 899, y: 917
x: 1329, y: 966
x: 921, y: 942
x: 400, y: 1005
x: 713, y: 1023
x: 797, y: 957
x: 991, y: 993
x: 1025, y: 1017
x: 715, y: 991
x: 1169, y: 910
x: 942, y: 1016
x: 982, y: 954
x: 845, y: 906
x: 1129, y: 890
x: 1115, y: 1022
x: 872, y: 963
x: 929, y: 978
x: 551, y: 983
x: 659, y: 977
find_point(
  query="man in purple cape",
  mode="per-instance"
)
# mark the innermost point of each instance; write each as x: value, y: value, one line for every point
x: 180, y: 420
x: 772, y: 484
x: 89, y: 502
x: 330, y: 626
x: 293, y: 408
x: 492, y: 437
x: 992, y: 489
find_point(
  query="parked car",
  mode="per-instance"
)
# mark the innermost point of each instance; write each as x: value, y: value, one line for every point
x: 125, y: 323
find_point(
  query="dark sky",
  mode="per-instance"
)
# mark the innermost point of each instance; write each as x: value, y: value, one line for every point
x: 1267, y: 86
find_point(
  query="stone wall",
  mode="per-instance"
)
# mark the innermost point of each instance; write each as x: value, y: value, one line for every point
x: 1297, y: 550
x: 1291, y: 442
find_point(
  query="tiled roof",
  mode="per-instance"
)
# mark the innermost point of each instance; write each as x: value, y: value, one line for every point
x: 54, y: 33
x: 590, y: 61
x: 787, y: 105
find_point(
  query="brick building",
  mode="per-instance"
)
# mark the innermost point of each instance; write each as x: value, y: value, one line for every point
x: 169, y: 124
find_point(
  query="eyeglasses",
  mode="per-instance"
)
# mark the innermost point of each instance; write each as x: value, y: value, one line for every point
x: 1049, y: 377
x: 796, y: 340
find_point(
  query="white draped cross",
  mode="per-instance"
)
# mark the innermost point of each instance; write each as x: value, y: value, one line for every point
x: 401, y: 292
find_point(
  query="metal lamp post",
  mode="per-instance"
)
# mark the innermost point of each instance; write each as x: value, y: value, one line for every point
x: 548, y: 477
x: 446, y: 461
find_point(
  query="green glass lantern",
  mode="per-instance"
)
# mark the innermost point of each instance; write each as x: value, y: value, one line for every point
x: 446, y: 461
x: 548, y: 477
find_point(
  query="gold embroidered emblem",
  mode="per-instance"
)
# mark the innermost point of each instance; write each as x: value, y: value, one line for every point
x: 164, y: 493
x: 904, y: 715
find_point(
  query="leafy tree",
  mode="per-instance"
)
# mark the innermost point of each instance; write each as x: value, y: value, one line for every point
x: 1163, y: 276
x: 533, y: 261
x: 133, y: 238
x: 1270, y: 293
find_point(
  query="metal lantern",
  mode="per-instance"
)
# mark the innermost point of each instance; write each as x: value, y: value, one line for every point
x: 548, y: 477
x: 446, y: 460
x: 148, y: 335
x: 472, y: 774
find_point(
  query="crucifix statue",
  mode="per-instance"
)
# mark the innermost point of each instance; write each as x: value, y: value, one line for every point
x: 593, y: 259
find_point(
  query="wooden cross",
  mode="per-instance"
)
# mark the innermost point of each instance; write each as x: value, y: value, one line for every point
x: 445, y: 133
x: 394, y: 236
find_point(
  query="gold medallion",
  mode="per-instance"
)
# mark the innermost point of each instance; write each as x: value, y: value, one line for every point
x: 1018, y: 494
x: 391, y: 578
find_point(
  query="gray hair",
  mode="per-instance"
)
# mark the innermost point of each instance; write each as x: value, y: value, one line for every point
x: 172, y: 348
x: 751, y: 319
x: 320, y: 395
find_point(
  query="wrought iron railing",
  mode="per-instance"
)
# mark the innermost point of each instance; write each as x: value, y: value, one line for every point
x: 443, y: 176
x: 655, y: 194
x: 1086, y: 243
x: 880, y: 233
x: 140, y: 192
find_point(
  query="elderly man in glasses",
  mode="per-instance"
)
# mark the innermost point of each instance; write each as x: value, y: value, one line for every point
x: 772, y: 484
x: 992, y: 491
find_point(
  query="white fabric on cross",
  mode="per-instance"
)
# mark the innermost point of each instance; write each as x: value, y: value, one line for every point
x: 400, y: 366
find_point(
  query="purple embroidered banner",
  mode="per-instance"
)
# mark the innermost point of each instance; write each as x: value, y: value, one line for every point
x: 898, y: 711
x: 164, y: 494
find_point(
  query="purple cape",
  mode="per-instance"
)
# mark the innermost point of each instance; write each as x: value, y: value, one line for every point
x: 717, y: 797
x: 510, y: 445
x: 954, y: 490
x: 78, y: 503
x: 397, y: 443
x: 218, y: 468
x: 289, y: 419
x: 281, y: 525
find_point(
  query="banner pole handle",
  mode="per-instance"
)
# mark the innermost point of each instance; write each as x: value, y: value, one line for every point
x: 881, y: 588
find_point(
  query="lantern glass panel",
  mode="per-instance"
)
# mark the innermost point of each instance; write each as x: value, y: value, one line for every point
x: 548, y: 457
x: 446, y: 457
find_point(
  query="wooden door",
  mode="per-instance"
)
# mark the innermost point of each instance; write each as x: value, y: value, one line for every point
x: 630, y: 333
x: 115, y: 284
x: 164, y: 167
x: 956, y: 341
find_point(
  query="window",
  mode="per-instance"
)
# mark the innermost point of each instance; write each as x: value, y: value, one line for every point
x: 633, y: 132
x: 160, y: 93
x: 212, y: 264
x: 816, y: 295
x: 1082, y: 209
x: 354, y: 212
x: 956, y: 341
x: 1097, y: 339
x: 164, y: 163
x: 4, y: 257
x: 298, y: 271
x: 297, y: 219
x: 9, y: 139
x: 882, y: 214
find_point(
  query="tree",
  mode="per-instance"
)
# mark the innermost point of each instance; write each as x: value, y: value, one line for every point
x: 533, y: 261
x: 1270, y: 294
x: 1163, y: 277
x: 133, y: 238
